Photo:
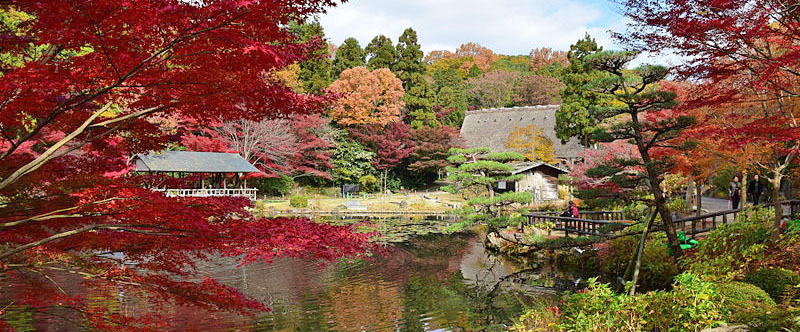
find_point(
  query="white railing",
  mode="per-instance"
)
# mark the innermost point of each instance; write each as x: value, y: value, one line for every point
x: 245, y: 192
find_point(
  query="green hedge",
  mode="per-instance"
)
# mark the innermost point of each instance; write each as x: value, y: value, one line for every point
x: 298, y: 201
x: 777, y: 282
x: 273, y: 186
x: 744, y: 303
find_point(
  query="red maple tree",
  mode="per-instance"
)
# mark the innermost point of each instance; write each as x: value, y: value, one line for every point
x: 744, y: 54
x: 82, y: 86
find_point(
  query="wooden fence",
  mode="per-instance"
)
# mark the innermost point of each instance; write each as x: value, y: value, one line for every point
x: 237, y: 192
x: 592, y: 222
x: 587, y: 223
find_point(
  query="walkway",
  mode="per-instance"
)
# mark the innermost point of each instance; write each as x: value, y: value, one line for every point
x: 715, y: 204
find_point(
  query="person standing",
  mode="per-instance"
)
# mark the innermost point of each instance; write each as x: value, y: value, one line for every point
x: 571, y: 211
x: 735, y: 192
x: 754, y: 189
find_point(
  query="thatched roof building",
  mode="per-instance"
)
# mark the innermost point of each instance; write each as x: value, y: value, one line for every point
x: 491, y: 127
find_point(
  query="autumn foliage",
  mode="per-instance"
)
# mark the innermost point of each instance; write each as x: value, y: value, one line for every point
x: 744, y: 54
x: 367, y: 97
x: 85, y: 86
x: 531, y: 142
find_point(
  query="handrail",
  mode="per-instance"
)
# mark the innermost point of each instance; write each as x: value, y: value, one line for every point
x: 593, y: 221
x: 580, y: 212
x: 708, y: 215
x: 209, y: 192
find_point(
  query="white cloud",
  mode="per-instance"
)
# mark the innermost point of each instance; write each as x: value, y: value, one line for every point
x: 505, y: 26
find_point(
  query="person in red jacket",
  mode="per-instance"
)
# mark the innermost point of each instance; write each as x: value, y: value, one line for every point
x: 572, y: 210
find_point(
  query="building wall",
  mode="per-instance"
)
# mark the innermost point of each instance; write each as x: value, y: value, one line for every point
x: 544, y: 187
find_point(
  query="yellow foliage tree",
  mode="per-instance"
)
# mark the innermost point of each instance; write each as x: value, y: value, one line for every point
x: 531, y: 142
x: 290, y: 77
x: 367, y: 97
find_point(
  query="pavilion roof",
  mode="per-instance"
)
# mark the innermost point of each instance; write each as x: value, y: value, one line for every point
x: 193, y: 162
x: 524, y: 167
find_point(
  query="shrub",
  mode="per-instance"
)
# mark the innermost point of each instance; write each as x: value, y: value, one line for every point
x: 281, y: 185
x: 564, y: 193
x: 777, y: 282
x: 727, y: 251
x: 369, y: 183
x: 298, y: 201
x: 691, y: 305
x: 657, y: 267
x: 743, y: 303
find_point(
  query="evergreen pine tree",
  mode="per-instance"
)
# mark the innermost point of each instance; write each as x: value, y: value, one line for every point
x: 574, y: 118
x: 409, y: 58
x: 380, y: 53
x: 349, y: 55
x: 315, y: 73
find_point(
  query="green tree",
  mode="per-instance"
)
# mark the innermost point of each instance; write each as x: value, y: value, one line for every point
x: 629, y: 105
x: 349, y: 55
x: 315, y: 73
x: 420, y: 101
x: 478, y: 171
x: 420, y: 96
x: 351, y: 160
x: 380, y: 53
x: 575, y: 118
x: 408, y: 64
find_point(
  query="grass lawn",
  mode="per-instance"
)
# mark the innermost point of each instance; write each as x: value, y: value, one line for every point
x: 420, y: 201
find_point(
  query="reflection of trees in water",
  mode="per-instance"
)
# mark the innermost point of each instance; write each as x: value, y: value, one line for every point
x: 415, y: 287
x: 432, y: 303
x: 365, y: 305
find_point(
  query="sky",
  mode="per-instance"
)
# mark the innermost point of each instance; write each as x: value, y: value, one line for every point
x: 510, y: 27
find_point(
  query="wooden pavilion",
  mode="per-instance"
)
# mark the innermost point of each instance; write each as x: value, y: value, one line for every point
x: 220, y: 174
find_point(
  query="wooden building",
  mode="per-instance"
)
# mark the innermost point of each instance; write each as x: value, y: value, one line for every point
x: 540, y: 179
x: 491, y: 128
x: 220, y: 174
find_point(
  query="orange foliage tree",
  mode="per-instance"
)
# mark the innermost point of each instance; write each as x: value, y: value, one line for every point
x: 367, y: 97
x: 474, y: 55
x: 541, y: 57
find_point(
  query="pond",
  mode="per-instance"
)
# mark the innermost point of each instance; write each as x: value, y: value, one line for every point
x: 429, y: 283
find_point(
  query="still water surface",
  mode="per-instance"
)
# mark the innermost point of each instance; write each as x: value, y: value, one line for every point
x: 431, y: 283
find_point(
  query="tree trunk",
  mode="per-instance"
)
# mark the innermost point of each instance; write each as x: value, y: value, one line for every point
x: 743, y: 190
x: 699, y: 189
x: 776, y: 202
x: 638, y: 260
x: 655, y: 187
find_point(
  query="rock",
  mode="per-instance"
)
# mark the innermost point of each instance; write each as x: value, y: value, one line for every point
x: 403, y: 204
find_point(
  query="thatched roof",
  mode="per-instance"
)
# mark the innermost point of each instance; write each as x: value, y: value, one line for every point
x: 491, y: 127
x: 193, y: 162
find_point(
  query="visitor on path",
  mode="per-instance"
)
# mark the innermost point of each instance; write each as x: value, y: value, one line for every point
x: 754, y: 189
x: 572, y: 210
x: 735, y: 192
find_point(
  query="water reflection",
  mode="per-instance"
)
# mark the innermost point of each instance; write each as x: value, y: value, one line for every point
x: 432, y: 283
